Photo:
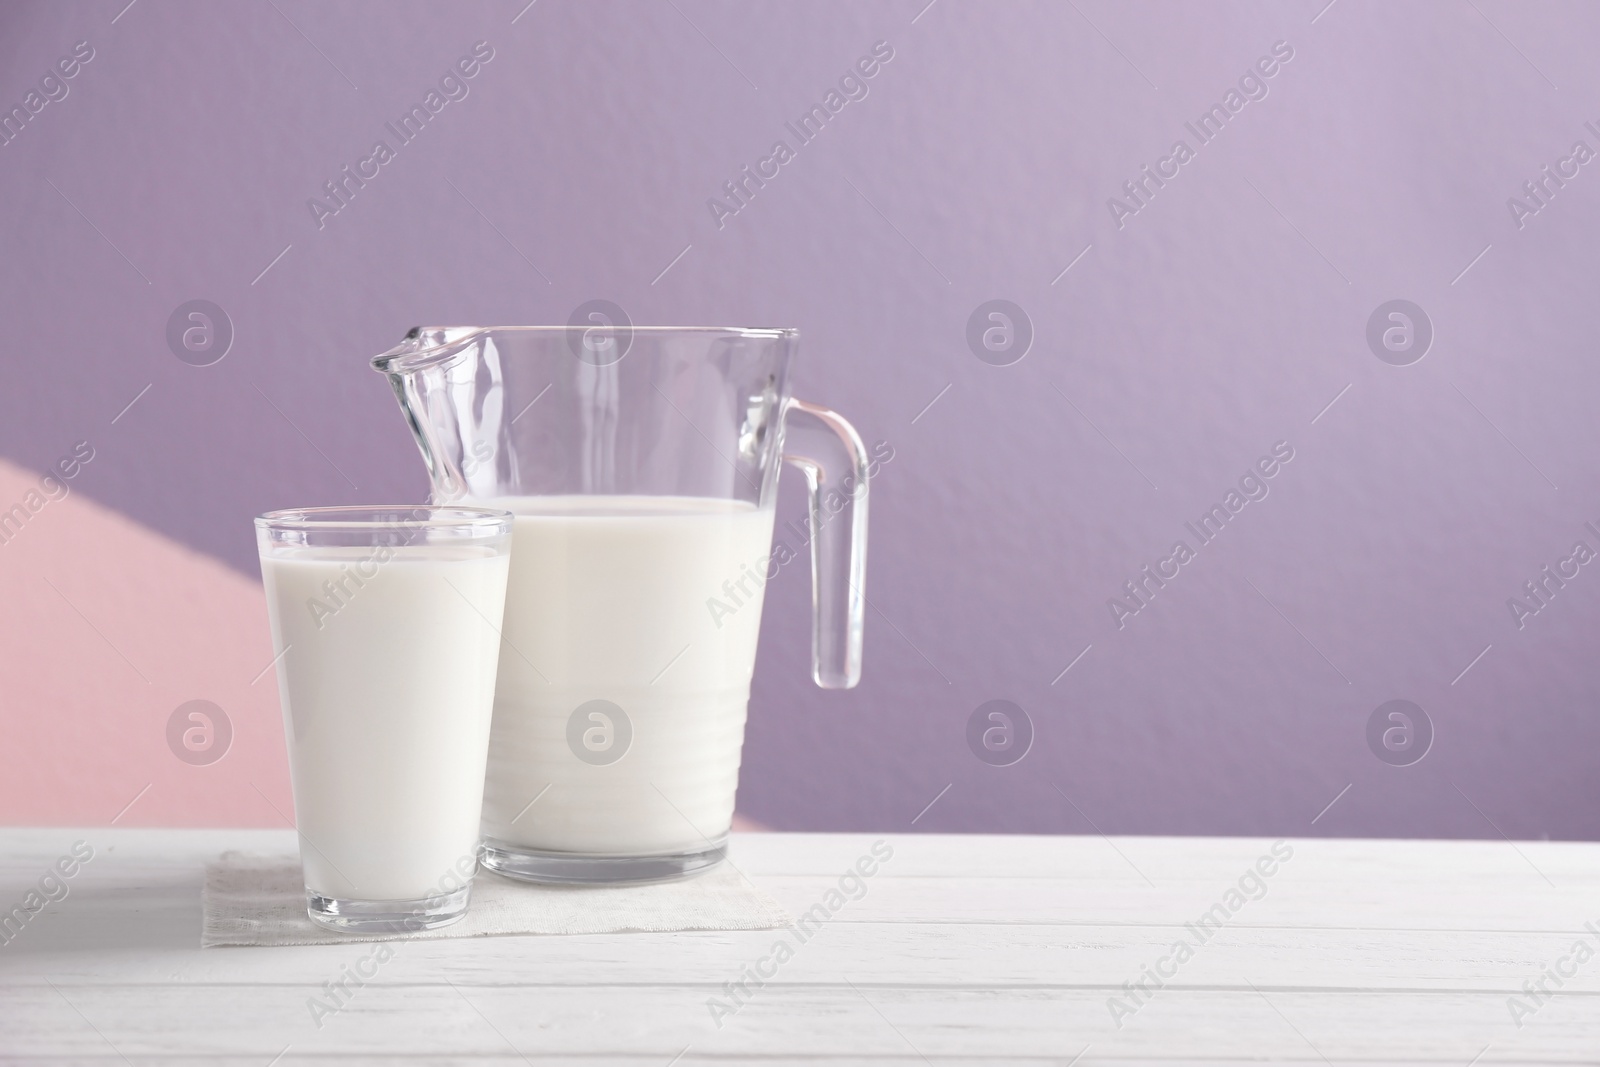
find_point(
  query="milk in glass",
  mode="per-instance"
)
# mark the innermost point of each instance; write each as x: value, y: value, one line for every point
x: 386, y: 675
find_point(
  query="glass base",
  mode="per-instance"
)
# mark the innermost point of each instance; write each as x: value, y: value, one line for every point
x: 387, y: 916
x: 534, y: 865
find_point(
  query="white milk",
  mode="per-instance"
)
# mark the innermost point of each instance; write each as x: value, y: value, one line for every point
x: 387, y: 703
x: 608, y: 600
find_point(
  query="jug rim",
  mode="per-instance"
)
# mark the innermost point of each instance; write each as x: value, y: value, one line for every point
x: 413, y: 353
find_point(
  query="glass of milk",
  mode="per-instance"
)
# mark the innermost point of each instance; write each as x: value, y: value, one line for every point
x: 641, y: 464
x: 386, y: 624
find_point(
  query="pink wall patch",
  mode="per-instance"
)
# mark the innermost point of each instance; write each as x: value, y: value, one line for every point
x: 111, y: 630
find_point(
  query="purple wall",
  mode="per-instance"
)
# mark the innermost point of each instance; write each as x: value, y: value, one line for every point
x: 1193, y: 331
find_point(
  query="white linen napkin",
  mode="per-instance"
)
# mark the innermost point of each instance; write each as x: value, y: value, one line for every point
x: 260, y: 900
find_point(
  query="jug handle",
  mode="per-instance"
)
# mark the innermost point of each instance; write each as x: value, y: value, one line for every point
x: 829, y: 452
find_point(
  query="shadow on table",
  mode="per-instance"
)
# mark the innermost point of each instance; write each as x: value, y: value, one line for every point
x: 160, y: 913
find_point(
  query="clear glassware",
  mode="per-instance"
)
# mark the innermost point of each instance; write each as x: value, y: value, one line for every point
x: 642, y: 466
x: 386, y: 625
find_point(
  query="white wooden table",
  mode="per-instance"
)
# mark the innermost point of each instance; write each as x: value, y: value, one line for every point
x: 962, y: 950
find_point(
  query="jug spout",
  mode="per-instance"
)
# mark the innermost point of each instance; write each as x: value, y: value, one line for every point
x: 425, y: 346
x: 434, y: 373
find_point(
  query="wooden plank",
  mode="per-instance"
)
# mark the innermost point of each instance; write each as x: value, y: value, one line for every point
x: 141, y: 939
x: 834, y: 1019
x: 1093, y: 859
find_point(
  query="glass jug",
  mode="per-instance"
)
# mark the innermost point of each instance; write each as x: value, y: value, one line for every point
x: 641, y: 464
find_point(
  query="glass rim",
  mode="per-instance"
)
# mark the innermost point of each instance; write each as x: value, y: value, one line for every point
x: 356, y: 517
x: 411, y: 355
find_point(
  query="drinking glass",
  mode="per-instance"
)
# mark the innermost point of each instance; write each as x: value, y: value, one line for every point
x: 386, y: 626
